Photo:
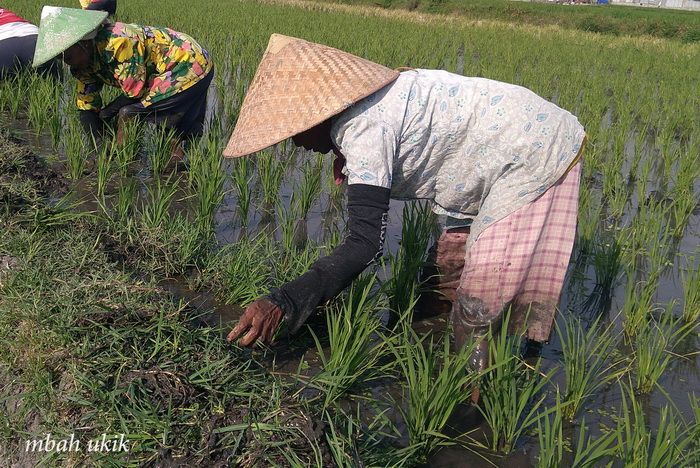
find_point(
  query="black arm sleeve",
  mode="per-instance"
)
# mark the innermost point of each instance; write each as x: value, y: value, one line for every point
x: 367, y: 215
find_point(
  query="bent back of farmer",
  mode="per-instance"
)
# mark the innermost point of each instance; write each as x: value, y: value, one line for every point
x: 17, y: 43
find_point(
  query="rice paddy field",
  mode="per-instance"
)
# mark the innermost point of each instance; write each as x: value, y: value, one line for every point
x: 119, y: 277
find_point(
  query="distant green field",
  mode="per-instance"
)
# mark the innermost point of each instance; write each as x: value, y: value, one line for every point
x: 608, y: 19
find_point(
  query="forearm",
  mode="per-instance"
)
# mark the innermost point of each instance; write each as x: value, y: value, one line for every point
x: 328, y: 276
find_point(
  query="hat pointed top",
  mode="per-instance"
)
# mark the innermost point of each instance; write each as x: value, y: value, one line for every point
x: 298, y: 85
x: 60, y: 28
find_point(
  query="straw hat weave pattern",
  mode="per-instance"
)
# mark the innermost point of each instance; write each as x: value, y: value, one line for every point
x: 297, y: 86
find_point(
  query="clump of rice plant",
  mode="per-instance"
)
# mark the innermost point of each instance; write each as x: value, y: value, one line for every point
x: 638, y: 304
x: 12, y: 91
x: 607, y: 263
x: 161, y: 148
x: 309, y: 189
x: 590, y: 451
x: 123, y: 207
x: 75, y: 149
x: 436, y: 381
x: 418, y: 225
x: 638, y: 446
x: 690, y: 278
x: 237, y: 273
x: 586, y: 362
x: 241, y: 177
x: 207, y: 178
x: 154, y: 210
x: 270, y: 173
x: 356, y: 348
x: 551, y: 437
x: 104, y: 164
x: 653, y: 347
x: 127, y: 152
x: 354, y: 442
x: 511, y: 391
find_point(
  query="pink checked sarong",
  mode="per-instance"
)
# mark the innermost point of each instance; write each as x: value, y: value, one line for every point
x: 520, y: 261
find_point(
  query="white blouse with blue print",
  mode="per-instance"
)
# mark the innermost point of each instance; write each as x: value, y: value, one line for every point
x: 478, y: 148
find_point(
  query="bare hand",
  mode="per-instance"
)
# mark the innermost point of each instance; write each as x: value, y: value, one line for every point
x: 261, y: 320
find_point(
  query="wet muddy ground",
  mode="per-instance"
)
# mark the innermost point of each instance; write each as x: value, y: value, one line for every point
x: 289, y: 355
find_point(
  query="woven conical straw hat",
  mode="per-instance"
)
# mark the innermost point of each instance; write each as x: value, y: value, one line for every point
x: 297, y: 86
x: 61, y: 28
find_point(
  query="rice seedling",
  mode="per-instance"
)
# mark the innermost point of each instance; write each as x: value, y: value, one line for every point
x: 207, y: 177
x: 12, y: 90
x: 511, y: 391
x: 154, y: 209
x: 237, y: 273
x: 638, y: 304
x: 354, y: 442
x: 241, y: 177
x: 587, y: 366
x: 653, y: 349
x: 160, y: 149
x: 551, y: 437
x: 690, y: 277
x: 42, y: 102
x: 607, y: 263
x: 356, y: 347
x: 418, y: 226
x: 127, y: 152
x: 270, y: 173
x: 124, y: 206
x: 436, y: 381
x: 104, y: 165
x: 638, y: 446
x: 309, y: 188
x: 590, y: 451
x: 75, y: 149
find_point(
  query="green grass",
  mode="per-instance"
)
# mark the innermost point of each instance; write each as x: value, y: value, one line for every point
x: 608, y: 19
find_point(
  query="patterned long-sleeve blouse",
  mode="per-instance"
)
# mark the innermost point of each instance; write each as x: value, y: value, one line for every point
x: 479, y: 149
x: 145, y: 62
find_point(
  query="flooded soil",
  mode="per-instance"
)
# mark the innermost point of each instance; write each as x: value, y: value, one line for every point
x: 324, y: 220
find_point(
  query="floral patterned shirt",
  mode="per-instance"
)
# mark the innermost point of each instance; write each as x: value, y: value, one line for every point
x: 478, y: 148
x: 145, y: 62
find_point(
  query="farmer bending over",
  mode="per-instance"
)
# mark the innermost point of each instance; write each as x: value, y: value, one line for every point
x: 17, y: 43
x: 501, y: 162
x: 164, y: 75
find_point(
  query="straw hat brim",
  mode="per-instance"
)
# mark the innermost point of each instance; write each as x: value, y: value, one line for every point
x: 298, y: 85
x: 61, y: 28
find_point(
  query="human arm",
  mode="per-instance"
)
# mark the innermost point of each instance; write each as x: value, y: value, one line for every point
x: 367, y: 214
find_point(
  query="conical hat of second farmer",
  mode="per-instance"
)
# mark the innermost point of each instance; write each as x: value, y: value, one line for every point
x: 61, y: 28
x: 297, y: 86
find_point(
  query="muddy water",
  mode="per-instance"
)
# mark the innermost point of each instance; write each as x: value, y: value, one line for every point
x: 679, y: 381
